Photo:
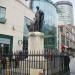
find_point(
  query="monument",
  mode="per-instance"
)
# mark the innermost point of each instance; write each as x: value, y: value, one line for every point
x: 36, y: 41
x: 37, y: 24
x: 36, y: 37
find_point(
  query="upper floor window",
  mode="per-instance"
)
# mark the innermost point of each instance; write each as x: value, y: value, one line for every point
x: 2, y: 14
x: 61, y: 29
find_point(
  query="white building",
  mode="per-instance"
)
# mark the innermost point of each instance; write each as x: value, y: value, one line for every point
x: 12, y: 13
x: 65, y: 12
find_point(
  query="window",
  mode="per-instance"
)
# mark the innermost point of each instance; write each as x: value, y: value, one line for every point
x: 2, y: 14
x: 61, y: 29
x: 27, y: 23
x: 63, y: 39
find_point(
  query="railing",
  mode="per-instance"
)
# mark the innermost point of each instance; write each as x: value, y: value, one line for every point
x: 24, y: 64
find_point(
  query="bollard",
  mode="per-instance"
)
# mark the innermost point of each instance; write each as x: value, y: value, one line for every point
x: 7, y: 66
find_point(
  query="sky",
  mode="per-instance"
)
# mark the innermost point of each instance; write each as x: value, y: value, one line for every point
x: 73, y: 2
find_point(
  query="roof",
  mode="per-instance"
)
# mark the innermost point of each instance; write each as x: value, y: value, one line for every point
x: 64, y: 2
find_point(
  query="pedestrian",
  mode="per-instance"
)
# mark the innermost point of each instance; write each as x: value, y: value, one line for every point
x: 66, y: 63
x: 3, y: 62
x: 62, y: 60
x: 0, y: 66
x: 17, y: 61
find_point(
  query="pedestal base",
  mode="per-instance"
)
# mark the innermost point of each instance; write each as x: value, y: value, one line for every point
x: 35, y: 42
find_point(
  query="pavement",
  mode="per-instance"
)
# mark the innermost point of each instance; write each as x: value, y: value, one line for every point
x: 72, y: 66
x: 67, y: 73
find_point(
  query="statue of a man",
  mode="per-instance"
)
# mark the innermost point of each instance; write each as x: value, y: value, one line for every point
x: 38, y: 20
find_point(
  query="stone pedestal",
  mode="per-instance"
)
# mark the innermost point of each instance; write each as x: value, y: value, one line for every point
x: 36, y: 72
x: 36, y: 42
x: 36, y: 47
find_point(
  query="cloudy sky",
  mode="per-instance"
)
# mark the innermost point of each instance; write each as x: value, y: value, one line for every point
x: 73, y: 2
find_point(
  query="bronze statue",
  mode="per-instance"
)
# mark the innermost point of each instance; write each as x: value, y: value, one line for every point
x: 36, y: 25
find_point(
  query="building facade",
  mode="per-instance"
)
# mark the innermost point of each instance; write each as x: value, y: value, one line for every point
x: 12, y: 14
x: 66, y: 37
x: 65, y: 12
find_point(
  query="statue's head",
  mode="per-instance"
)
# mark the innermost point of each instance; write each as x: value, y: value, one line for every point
x: 37, y: 7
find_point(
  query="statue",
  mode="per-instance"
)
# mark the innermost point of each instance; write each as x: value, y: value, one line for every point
x: 36, y: 25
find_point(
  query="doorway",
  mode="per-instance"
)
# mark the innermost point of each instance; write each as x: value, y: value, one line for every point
x: 4, y: 48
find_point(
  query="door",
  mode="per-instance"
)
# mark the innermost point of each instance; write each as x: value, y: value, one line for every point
x: 4, y: 48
